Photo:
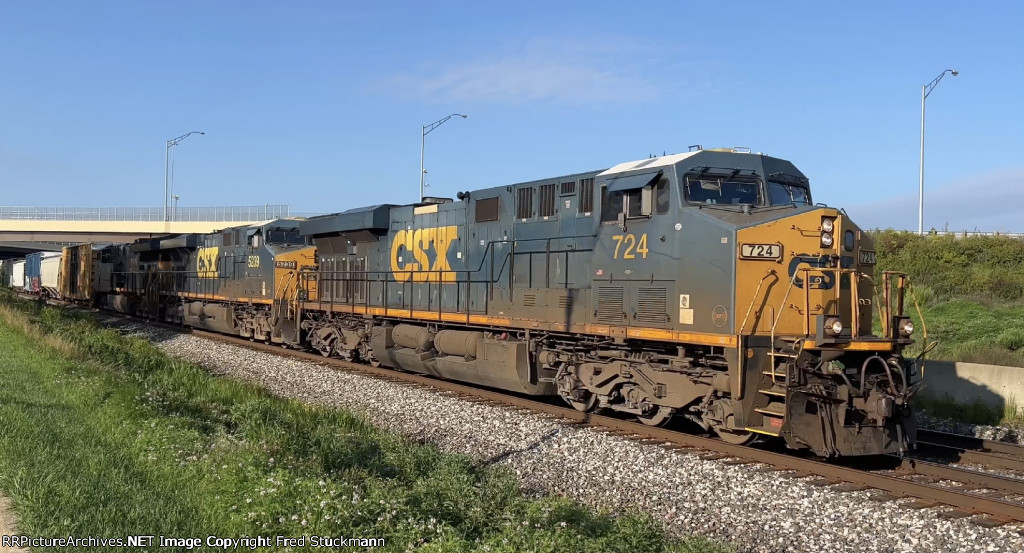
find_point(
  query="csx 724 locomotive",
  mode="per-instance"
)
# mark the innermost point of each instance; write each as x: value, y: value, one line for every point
x: 703, y: 285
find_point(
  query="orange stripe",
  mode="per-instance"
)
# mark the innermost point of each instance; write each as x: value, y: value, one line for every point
x: 862, y: 345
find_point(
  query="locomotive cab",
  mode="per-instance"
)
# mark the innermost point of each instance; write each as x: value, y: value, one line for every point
x: 768, y: 299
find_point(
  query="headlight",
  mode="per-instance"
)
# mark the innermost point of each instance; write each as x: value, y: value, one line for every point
x: 826, y: 240
x: 827, y: 225
x: 906, y: 327
x: 833, y: 326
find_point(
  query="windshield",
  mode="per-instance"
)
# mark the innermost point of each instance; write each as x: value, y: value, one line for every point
x: 784, y: 194
x: 723, y: 190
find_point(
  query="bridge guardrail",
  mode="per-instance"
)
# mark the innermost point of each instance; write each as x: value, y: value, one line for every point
x: 204, y: 214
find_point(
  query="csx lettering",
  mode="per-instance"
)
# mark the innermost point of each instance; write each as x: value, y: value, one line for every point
x: 206, y: 262
x: 411, y: 252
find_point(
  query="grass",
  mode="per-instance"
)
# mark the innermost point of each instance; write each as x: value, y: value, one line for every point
x: 106, y: 436
x: 975, y: 413
x: 971, y: 292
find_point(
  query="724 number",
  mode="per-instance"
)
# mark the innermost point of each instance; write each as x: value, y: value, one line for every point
x: 632, y: 245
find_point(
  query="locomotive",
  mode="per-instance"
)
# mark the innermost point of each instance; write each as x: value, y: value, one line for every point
x: 704, y: 285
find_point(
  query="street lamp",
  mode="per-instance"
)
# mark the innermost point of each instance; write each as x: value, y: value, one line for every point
x: 170, y: 144
x: 424, y: 131
x: 925, y: 91
x: 174, y: 211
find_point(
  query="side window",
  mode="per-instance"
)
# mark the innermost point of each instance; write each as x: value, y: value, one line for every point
x: 661, y: 196
x: 611, y: 205
x: 634, y: 201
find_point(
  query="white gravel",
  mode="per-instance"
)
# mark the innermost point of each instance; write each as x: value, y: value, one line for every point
x: 756, y: 511
x: 983, y: 431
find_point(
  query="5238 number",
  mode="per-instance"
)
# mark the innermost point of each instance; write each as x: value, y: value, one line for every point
x: 628, y: 245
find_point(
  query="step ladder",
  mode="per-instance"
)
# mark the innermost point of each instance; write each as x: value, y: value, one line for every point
x: 773, y: 389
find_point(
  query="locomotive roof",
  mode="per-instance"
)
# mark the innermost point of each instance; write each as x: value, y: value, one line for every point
x: 649, y: 163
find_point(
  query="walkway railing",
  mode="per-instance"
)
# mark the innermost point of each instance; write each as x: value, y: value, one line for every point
x: 204, y: 214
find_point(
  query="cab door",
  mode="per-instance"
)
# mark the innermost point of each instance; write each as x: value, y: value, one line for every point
x: 633, y: 260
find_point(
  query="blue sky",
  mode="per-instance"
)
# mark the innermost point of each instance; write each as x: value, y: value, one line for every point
x: 319, y: 104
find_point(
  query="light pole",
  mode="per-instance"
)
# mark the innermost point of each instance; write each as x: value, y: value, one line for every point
x: 174, y: 211
x: 424, y: 131
x: 925, y: 91
x: 167, y: 151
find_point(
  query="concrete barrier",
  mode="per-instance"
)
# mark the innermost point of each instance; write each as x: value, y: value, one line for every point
x: 995, y: 386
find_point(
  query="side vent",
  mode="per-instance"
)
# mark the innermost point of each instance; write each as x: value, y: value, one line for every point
x: 568, y: 188
x: 610, y: 305
x: 529, y: 300
x: 564, y: 301
x: 651, y: 306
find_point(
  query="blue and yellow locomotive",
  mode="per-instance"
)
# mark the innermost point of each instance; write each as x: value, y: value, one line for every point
x: 704, y: 285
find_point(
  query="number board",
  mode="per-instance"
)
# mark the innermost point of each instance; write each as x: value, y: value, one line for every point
x: 867, y: 257
x: 761, y: 251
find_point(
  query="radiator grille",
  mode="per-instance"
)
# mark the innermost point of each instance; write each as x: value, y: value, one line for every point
x: 610, y: 307
x: 652, y: 306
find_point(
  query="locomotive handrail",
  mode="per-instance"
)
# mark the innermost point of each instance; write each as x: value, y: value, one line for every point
x: 325, y: 279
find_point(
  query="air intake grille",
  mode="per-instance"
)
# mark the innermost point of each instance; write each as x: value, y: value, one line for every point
x: 529, y: 300
x: 564, y: 301
x: 610, y: 307
x: 651, y: 305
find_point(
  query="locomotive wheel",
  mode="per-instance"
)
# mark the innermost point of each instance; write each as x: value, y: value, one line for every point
x: 734, y: 436
x: 658, y: 417
x: 585, y: 405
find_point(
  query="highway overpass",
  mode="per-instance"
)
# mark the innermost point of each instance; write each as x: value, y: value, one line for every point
x: 25, y: 228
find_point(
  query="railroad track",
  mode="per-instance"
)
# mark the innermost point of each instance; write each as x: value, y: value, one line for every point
x: 999, y: 498
x: 968, y: 449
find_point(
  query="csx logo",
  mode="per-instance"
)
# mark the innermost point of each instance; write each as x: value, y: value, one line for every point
x: 422, y: 254
x: 819, y: 280
x: 206, y: 262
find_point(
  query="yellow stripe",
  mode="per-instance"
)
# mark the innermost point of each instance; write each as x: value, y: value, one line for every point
x: 678, y: 336
x: 765, y: 432
x: 871, y: 345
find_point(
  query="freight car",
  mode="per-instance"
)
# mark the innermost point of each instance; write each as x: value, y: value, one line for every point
x: 704, y: 285
x: 6, y: 273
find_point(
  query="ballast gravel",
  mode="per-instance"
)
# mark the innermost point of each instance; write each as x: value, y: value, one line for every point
x: 983, y: 431
x: 755, y: 511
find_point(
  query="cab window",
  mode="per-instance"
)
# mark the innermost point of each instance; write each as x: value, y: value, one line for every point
x: 661, y: 196
x: 704, y: 189
x: 783, y: 194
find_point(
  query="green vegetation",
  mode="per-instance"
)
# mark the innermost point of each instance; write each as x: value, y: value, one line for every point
x: 104, y: 435
x: 974, y: 413
x: 970, y: 290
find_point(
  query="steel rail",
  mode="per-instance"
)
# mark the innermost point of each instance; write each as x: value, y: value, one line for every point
x: 1002, y: 510
x: 960, y: 441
